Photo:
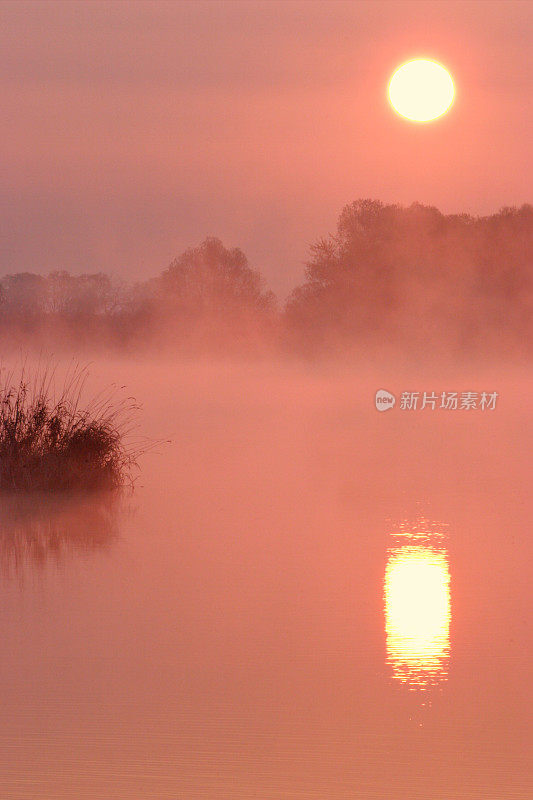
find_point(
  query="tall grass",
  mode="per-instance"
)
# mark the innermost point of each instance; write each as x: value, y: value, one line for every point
x: 49, y: 441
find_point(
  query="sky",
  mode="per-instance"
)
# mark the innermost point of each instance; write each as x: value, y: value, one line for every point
x: 131, y: 131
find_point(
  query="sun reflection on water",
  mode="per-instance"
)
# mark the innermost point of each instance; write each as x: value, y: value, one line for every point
x: 417, y: 606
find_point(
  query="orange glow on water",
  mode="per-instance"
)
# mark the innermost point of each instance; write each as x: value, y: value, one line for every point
x: 417, y: 614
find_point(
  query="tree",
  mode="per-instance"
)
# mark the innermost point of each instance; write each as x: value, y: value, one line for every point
x: 24, y: 294
x: 210, y: 290
x: 212, y: 279
x: 416, y: 275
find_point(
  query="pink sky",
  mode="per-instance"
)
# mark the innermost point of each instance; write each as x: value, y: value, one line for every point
x: 131, y: 131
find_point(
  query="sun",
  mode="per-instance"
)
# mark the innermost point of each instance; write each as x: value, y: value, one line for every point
x: 421, y: 90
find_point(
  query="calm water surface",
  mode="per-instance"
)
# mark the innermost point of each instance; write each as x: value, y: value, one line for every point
x: 303, y: 599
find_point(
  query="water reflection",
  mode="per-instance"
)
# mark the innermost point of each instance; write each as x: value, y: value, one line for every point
x: 36, y: 529
x: 417, y: 605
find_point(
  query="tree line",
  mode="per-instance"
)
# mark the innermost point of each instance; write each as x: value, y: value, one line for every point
x: 389, y: 275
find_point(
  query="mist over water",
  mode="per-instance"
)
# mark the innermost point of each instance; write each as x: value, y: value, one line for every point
x: 240, y: 632
x: 389, y: 281
x: 308, y: 594
x: 298, y: 314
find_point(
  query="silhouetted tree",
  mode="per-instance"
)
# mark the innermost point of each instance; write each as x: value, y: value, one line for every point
x: 389, y: 275
x: 82, y: 294
x: 24, y: 293
x: 211, y: 291
x: 415, y: 275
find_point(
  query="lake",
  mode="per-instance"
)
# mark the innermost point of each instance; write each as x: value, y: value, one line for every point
x: 303, y: 598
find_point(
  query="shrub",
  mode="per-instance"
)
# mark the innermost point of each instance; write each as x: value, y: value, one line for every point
x: 52, y: 443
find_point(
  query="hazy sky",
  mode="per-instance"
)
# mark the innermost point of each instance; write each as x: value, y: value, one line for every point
x: 131, y: 131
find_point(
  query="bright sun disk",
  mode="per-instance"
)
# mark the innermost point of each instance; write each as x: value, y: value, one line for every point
x: 421, y: 90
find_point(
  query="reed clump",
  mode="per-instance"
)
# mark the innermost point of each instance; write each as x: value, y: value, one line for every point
x: 49, y: 441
